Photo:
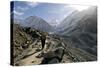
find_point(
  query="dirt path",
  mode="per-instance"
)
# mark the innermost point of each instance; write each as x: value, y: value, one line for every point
x: 31, y: 60
x: 71, y: 54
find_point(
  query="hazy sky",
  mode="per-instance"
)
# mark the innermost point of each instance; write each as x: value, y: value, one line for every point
x: 50, y: 12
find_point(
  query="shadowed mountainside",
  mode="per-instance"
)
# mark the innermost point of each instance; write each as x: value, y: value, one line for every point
x: 81, y: 29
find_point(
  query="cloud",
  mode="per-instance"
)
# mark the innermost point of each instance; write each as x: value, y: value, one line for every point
x: 32, y: 4
x: 22, y: 8
x: 18, y: 13
x: 61, y: 10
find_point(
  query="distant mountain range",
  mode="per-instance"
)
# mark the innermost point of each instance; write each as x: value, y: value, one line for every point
x: 35, y: 22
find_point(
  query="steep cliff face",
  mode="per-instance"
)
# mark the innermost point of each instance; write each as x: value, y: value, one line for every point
x: 81, y: 28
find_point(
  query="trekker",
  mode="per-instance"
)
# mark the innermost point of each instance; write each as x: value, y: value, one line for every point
x: 43, y: 39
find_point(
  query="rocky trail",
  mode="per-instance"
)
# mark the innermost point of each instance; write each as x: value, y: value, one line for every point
x: 33, y: 51
x: 53, y: 51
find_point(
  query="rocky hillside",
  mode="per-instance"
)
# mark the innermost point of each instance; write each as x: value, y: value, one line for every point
x: 26, y: 48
